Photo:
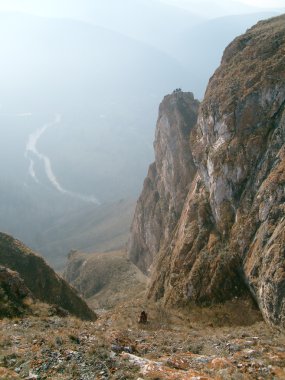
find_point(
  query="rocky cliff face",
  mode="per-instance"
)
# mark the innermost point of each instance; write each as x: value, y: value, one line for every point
x: 230, y: 237
x: 165, y: 188
x: 40, y: 279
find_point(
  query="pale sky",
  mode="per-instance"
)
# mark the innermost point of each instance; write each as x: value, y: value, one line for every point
x: 109, y: 13
x: 65, y: 7
x: 265, y: 3
x: 253, y: 3
x: 228, y: 6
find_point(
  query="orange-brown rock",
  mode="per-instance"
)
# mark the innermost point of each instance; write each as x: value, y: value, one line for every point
x: 165, y: 188
x: 230, y: 237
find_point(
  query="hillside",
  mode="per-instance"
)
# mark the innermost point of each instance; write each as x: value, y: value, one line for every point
x: 229, y: 238
x: 88, y: 228
x: 104, y: 279
x: 15, y: 297
x: 44, y: 284
x: 209, y: 229
x: 227, y: 342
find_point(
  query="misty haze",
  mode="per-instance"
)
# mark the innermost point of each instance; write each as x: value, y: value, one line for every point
x: 80, y: 87
x: 142, y: 189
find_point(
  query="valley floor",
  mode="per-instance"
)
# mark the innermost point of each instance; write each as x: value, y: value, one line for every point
x: 222, y: 342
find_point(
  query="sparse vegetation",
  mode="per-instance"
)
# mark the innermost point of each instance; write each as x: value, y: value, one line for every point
x: 105, y: 279
x: 174, y: 344
x: 202, y: 262
x: 40, y: 278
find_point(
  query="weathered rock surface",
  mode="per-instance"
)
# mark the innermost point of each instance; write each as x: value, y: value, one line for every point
x: 14, y: 295
x: 165, y: 188
x: 40, y: 279
x: 230, y: 237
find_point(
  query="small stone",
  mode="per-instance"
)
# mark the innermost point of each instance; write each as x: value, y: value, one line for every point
x: 32, y: 376
x: 233, y: 347
x: 58, y: 341
x: 250, y: 352
x: 219, y: 363
x: 116, y: 348
x: 128, y: 349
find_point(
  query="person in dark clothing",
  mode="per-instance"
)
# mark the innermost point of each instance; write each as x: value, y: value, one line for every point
x: 143, y: 317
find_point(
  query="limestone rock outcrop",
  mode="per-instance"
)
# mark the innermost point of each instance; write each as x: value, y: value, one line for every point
x: 41, y: 280
x: 230, y: 237
x: 165, y: 188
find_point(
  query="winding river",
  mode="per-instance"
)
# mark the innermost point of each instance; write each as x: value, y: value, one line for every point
x: 32, y: 153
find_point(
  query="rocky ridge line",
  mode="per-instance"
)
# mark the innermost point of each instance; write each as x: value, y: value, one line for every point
x: 41, y: 280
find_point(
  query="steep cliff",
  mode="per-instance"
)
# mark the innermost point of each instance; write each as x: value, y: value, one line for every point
x: 40, y: 279
x: 230, y: 238
x: 165, y: 188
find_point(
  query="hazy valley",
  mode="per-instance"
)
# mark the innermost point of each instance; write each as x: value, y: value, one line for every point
x: 184, y: 222
x: 104, y: 87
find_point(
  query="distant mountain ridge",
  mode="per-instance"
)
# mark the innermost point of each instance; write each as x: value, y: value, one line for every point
x: 53, y: 225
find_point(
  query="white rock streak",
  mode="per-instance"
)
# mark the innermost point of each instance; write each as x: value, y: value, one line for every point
x: 32, y: 152
x: 32, y: 171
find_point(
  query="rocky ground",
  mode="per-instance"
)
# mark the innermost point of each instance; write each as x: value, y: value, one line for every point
x: 223, y: 342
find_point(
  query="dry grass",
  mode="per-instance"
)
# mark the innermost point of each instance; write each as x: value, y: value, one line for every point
x: 105, y: 279
x: 173, y: 345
